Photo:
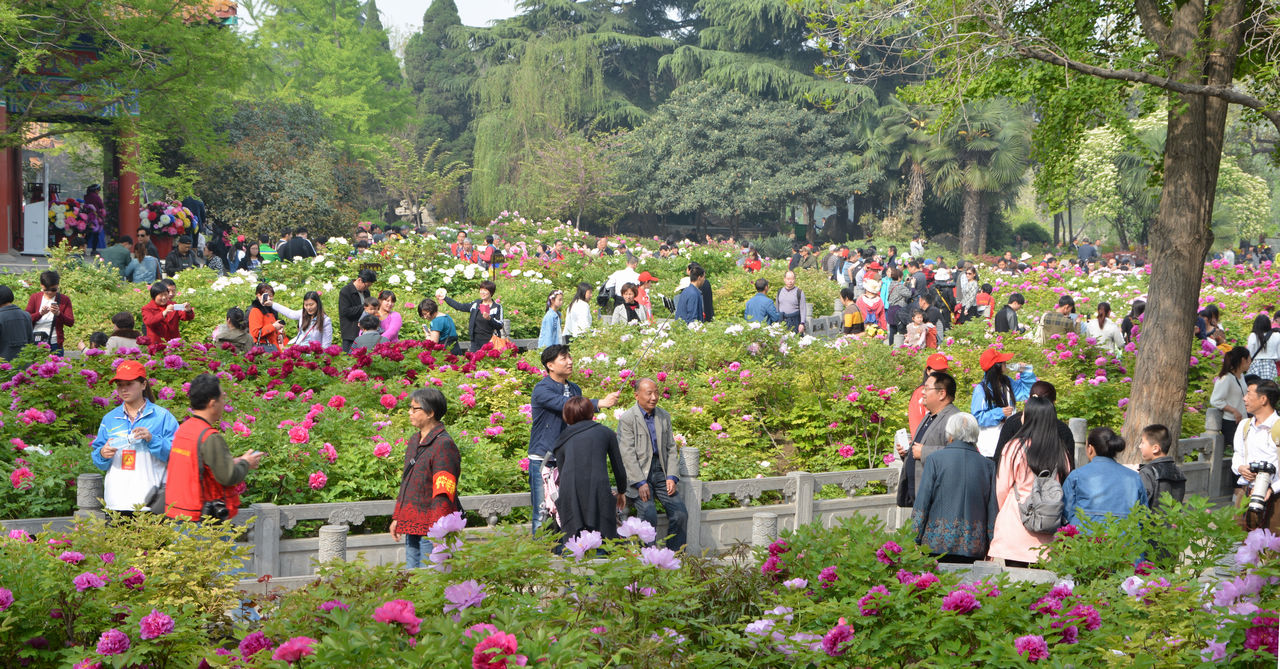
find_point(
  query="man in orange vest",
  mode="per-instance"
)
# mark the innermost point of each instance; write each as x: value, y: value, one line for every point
x: 202, y: 475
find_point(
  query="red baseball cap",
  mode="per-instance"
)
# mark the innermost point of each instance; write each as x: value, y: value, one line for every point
x: 991, y: 357
x: 130, y: 370
x: 937, y: 362
x: 646, y: 277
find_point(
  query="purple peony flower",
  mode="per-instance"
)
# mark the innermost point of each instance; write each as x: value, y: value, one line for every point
x: 662, y: 558
x: 454, y: 522
x: 113, y: 642
x: 761, y: 627
x: 87, y: 581
x: 869, y: 604
x: 1070, y: 634
x: 71, y: 557
x: 644, y: 592
x: 795, y: 584
x: 155, y: 625
x: 1263, y: 635
x: 332, y: 604
x: 1032, y: 646
x: 134, y: 579
x: 254, y: 642
x: 174, y: 362
x: 960, y: 601
x: 587, y: 540
x: 886, y: 553
x: 778, y: 547
x: 6, y: 599
x: 828, y: 576
x: 1088, y: 615
x: 639, y: 528
x: 463, y: 595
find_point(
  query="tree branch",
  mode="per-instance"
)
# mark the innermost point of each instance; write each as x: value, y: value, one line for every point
x: 1153, y: 24
x: 1226, y: 93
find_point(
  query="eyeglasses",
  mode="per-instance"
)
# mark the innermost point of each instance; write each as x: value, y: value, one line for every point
x: 414, y: 408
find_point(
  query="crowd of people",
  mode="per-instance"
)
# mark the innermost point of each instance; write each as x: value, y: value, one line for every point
x: 976, y: 481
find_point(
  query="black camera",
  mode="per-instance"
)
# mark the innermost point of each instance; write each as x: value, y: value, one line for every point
x: 215, y: 510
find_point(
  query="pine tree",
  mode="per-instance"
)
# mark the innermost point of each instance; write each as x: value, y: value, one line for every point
x: 440, y: 74
x: 373, y: 24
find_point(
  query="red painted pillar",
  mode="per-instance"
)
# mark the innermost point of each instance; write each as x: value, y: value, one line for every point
x: 10, y: 211
x: 127, y: 182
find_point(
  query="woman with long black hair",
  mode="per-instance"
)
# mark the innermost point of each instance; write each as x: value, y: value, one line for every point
x: 1134, y: 318
x: 1036, y: 448
x: 578, y: 320
x: 314, y: 327
x: 1229, y: 389
x: 1264, y: 348
x: 996, y: 397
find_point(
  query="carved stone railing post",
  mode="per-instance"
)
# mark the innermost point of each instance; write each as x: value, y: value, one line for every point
x: 265, y: 538
x: 691, y: 495
x: 90, y: 489
x: 803, y: 500
x: 1219, y: 478
x: 1079, y: 432
x: 333, y: 542
x: 764, y: 528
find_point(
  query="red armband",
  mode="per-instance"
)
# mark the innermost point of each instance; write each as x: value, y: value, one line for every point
x: 444, y: 483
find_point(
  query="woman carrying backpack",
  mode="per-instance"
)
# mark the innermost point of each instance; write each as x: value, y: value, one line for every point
x: 1036, y: 448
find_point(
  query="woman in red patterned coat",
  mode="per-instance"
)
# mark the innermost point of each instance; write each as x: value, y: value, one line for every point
x: 429, y: 484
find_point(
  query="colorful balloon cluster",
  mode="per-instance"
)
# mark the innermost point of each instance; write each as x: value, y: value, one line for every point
x: 166, y: 218
x: 72, y: 215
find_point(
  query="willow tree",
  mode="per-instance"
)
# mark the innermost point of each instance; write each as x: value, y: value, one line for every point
x: 1083, y: 61
x: 560, y: 64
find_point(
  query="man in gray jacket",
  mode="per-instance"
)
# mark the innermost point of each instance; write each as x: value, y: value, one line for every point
x: 652, y: 462
x: 938, y: 399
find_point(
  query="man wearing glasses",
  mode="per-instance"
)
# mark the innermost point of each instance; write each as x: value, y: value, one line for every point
x: 938, y: 393
x: 50, y: 310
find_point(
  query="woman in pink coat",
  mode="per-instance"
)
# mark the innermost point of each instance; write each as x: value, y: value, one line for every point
x: 1035, y: 448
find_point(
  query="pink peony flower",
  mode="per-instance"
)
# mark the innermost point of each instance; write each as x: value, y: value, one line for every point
x: 399, y: 612
x: 846, y: 451
x: 113, y: 642
x: 6, y: 599
x: 155, y: 625
x: 634, y: 526
x: 332, y: 604
x: 887, y: 552
x: 587, y: 540
x: 20, y: 477
x: 662, y: 558
x: 294, y: 649
x: 828, y: 576
x: 71, y: 557
x: 1032, y: 646
x: 464, y: 595
x: 254, y: 642
x: 494, y: 651
x: 299, y: 435
x: 337, y: 402
x: 869, y: 604
x: 960, y: 601
x: 795, y: 584
x: 837, y: 637
x: 1088, y: 615
x: 88, y: 581
x: 388, y: 401
x: 454, y: 522
x: 382, y: 450
x: 134, y: 578
x: 317, y: 480
x: 524, y: 464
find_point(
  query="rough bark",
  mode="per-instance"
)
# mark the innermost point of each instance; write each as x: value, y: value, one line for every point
x: 970, y: 236
x: 1182, y: 233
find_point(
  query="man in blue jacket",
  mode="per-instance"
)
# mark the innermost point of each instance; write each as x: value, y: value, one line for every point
x: 689, y: 306
x: 549, y: 396
x: 761, y: 307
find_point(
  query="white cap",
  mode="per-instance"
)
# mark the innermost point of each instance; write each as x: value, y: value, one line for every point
x: 1024, y: 256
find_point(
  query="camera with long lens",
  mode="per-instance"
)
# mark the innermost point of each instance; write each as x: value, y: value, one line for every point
x: 216, y: 509
x: 1263, y: 473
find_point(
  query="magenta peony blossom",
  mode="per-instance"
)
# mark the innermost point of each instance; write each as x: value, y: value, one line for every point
x: 846, y: 451
x: 113, y: 642
x: 639, y: 528
x: 134, y: 579
x: 886, y: 553
x: 155, y: 625
x: 1088, y: 616
x: 778, y: 547
x: 337, y: 402
x: 926, y: 580
x: 662, y: 558
x: 772, y: 565
x: 299, y: 435
x: 960, y: 601
x: 399, y: 612
x: 828, y: 576
x: 332, y: 604
x: 88, y: 580
x: 523, y: 464
x: 388, y: 401
x: 6, y: 599
x: 317, y: 480
x: 1033, y: 647
x: 836, y: 637
x: 1069, y: 531
x: 254, y: 642
x: 1263, y: 634
x: 71, y: 557
x: 494, y: 651
x: 294, y: 649
x: 382, y: 450
x: 20, y: 477
x: 868, y: 605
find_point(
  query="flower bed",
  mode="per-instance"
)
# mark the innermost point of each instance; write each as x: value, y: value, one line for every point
x: 754, y: 400
x: 849, y: 595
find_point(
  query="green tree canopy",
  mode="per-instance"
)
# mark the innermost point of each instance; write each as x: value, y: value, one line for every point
x: 440, y: 73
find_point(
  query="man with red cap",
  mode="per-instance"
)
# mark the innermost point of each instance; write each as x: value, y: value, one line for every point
x: 133, y: 442
x: 915, y: 409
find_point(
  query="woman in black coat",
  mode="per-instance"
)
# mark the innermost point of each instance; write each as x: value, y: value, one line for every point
x: 586, y: 501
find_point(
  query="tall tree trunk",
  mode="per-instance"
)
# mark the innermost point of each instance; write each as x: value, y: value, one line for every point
x: 984, y: 222
x: 839, y: 231
x: 969, y: 235
x: 1121, y: 234
x: 1182, y: 234
x: 1071, y: 233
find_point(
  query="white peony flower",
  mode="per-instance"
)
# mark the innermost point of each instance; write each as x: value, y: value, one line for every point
x: 394, y: 279
x: 329, y: 264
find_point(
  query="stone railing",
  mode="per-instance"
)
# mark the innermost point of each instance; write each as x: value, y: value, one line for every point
x: 761, y: 508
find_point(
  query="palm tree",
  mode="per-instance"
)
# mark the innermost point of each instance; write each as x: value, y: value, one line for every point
x: 894, y: 146
x: 980, y: 160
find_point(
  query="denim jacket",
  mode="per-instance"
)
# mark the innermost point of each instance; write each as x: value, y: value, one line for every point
x: 1103, y: 486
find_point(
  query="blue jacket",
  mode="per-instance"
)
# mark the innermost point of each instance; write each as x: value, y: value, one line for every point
x: 146, y: 271
x: 156, y: 419
x: 689, y: 304
x: 545, y: 410
x: 1103, y: 486
x: 761, y: 308
x: 549, y: 335
x: 991, y: 416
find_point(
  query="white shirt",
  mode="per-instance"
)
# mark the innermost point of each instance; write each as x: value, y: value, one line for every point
x: 917, y: 249
x: 1272, y: 351
x: 578, y: 322
x: 126, y: 487
x: 1108, y: 336
x: 622, y: 277
x: 45, y: 322
x: 1228, y: 391
x: 1253, y: 444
